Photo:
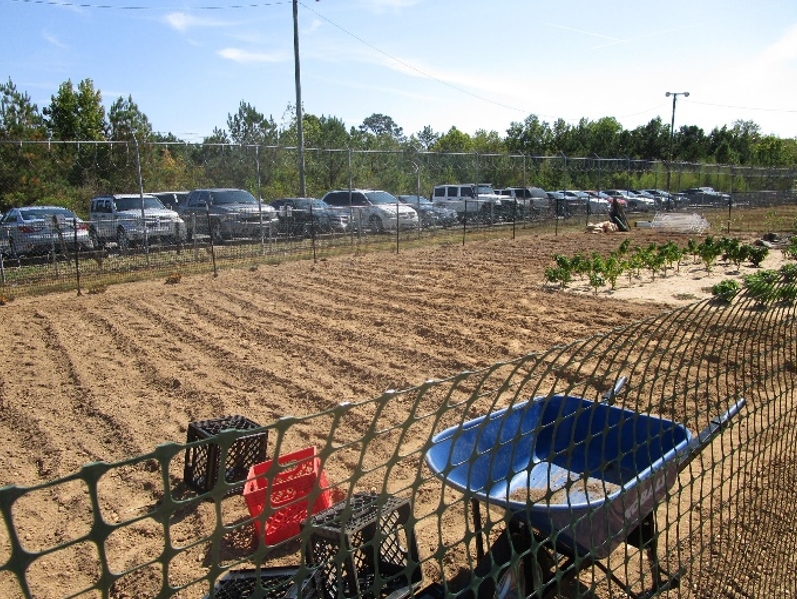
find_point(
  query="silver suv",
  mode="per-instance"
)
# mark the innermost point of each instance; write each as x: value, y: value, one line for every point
x: 373, y: 209
x: 133, y: 218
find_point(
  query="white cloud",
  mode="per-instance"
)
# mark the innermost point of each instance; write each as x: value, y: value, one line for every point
x: 247, y: 57
x: 380, y: 6
x: 53, y: 40
x: 782, y: 51
x: 182, y: 22
x: 314, y: 26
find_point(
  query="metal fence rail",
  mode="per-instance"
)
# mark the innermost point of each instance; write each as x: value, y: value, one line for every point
x: 72, y: 173
x: 87, y: 271
x: 429, y: 491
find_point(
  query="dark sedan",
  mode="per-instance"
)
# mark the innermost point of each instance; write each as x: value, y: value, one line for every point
x: 225, y: 214
x: 304, y: 216
x: 430, y: 214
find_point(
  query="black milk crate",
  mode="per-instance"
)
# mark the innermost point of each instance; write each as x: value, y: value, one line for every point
x: 365, y: 547
x: 275, y: 583
x: 203, y: 461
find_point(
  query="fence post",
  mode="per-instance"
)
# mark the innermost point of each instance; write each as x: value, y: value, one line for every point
x: 358, y: 225
x: 77, y: 256
x: 730, y: 200
x: 141, y: 192
x: 53, y: 253
x: 260, y: 202
x: 212, y: 245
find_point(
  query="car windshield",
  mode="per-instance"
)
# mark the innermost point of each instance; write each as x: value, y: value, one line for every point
x: 314, y: 204
x: 44, y: 213
x: 414, y: 200
x: 381, y: 197
x: 485, y: 189
x: 232, y: 196
x: 150, y: 203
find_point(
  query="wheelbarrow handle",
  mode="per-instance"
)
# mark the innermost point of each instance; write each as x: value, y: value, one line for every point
x: 608, y: 396
x: 707, y: 435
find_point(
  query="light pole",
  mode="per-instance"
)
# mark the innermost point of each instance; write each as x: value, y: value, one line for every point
x: 299, y: 134
x: 672, y: 130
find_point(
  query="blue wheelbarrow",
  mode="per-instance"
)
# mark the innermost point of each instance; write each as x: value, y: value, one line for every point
x: 576, y: 478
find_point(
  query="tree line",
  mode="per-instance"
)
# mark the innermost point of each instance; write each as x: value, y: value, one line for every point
x: 76, y: 113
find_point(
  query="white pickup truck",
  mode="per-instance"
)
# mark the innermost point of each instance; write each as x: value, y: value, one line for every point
x: 131, y: 219
x: 472, y: 200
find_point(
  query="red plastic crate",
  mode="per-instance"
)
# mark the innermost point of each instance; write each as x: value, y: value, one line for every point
x: 287, y: 494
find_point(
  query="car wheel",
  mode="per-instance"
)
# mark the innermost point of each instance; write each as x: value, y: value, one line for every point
x: 216, y: 233
x: 122, y: 240
x: 375, y: 224
x: 12, y: 249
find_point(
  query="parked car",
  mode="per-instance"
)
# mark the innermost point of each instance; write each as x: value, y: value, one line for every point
x: 131, y: 219
x: 305, y: 216
x: 525, y: 202
x: 576, y: 201
x: 607, y: 197
x: 471, y: 200
x: 429, y: 214
x: 170, y: 199
x: 706, y: 195
x: 226, y: 213
x: 372, y: 209
x: 559, y: 202
x: 598, y: 201
x: 633, y: 201
x: 38, y: 230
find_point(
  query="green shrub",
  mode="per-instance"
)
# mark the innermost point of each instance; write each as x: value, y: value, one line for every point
x: 762, y: 286
x: 709, y: 250
x: 757, y: 254
x: 725, y: 290
x: 789, y: 272
x: 558, y: 275
x: 788, y: 293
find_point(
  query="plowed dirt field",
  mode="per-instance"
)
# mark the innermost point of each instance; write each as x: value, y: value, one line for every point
x: 104, y: 377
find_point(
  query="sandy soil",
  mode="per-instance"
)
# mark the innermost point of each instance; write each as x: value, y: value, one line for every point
x: 109, y: 376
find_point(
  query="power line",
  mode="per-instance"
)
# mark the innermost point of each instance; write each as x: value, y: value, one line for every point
x: 134, y: 7
x: 131, y: 7
x: 791, y: 111
x: 413, y: 68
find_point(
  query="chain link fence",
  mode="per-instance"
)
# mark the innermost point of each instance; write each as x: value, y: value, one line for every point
x: 652, y: 460
x: 94, y: 250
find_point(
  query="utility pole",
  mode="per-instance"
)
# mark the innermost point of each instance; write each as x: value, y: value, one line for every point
x: 299, y: 133
x: 672, y: 131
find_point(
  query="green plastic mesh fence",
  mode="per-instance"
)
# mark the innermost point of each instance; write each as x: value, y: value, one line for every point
x: 652, y: 460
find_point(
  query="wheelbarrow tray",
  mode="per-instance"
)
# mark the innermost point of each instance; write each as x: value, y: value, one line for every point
x: 584, y: 473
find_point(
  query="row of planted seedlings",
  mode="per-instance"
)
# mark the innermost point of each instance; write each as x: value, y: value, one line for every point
x: 657, y: 259
x: 765, y: 287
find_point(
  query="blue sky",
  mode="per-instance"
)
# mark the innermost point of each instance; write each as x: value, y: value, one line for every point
x: 465, y: 63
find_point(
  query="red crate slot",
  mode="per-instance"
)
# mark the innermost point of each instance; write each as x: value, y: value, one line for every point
x: 287, y: 494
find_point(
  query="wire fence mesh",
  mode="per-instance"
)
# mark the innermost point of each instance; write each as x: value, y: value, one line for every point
x: 97, y: 249
x: 651, y: 460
